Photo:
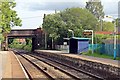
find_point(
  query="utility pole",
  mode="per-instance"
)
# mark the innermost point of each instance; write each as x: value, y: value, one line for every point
x: 55, y: 11
x: 45, y: 34
x: 115, y: 40
x: 101, y: 23
x: 45, y: 40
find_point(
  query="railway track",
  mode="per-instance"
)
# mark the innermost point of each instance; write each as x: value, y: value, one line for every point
x: 79, y: 73
x: 33, y: 70
x: 73, y: 73
x: 50, y: 72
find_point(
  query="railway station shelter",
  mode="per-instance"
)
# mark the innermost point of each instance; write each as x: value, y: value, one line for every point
x: 78, y: 45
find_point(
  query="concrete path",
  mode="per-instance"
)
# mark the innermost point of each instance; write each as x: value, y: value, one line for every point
x: 0, y: 66
x: 3, y: 60
x: 10, y: 66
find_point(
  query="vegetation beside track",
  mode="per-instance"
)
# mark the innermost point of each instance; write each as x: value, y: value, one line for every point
x: 24, y: 46
x: 89, y: 53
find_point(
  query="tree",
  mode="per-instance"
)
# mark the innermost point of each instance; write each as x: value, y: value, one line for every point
x: 96, y: 8
x: 9, y: 18
x: 51, y: 25
x: 76, y: 19
x: 108, y: 26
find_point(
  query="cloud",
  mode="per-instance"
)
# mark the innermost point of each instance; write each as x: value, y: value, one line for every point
x: 111, y: 8
x: 31, y: 19
x: 31, y: 11
x: 54, y: 5
x: 119, y: 9
x: 41, y: 1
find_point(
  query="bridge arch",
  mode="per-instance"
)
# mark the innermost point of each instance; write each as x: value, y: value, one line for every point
x: 37, y: 36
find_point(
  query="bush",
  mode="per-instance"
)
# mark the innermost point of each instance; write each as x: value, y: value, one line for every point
x: 89, y: 51
x: 28, y: 47
x: 99, y: 38
x: 17, y: 45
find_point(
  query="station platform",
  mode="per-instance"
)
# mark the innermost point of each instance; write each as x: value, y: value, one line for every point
x: 53, y: 51
x: 10, y: 66
x: 105, y: 61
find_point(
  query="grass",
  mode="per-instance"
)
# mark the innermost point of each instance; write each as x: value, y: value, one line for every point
x: 100, y: 55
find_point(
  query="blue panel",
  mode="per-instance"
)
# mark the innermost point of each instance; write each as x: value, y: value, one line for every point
x: 83, y: 46
x: 78, y: 45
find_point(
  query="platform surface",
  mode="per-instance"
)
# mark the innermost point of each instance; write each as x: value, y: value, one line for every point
x: 111, y: 62
x: 53, y: 51
x: 9, y: 66
x: 115, y: 63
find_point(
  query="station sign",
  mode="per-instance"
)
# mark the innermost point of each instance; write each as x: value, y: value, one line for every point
x: 87, y: 33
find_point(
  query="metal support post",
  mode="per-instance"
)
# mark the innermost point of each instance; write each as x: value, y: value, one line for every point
x: 92, y: 43
x: 45, y: 41
x: 115, y: 50
x: 92, y: 39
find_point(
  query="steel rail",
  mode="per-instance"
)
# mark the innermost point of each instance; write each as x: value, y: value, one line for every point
x: 49, y: 76
x: 84, y: 72
x: 81, y: 71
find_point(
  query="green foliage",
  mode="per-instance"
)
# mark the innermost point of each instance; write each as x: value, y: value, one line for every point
x: 25, y: 46
x: 108, y: 26
x: 8, y: 17
x: 76, y: 19
x: 100, y: 55
x: 28, y: 41
x: 96, y: 8
x: 118, y: 37
x: 28, y: 47
x: 89, y: 51
x: 16, y: 44
x: 1, y: 37
x: 51, y: 25
x: 99, y: 38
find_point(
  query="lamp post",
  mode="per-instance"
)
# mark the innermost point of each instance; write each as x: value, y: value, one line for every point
x: 115, y: 49
x: 72, y: 32
x: 92, y: 38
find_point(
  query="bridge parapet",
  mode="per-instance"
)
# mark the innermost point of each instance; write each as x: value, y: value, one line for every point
x: 22, y: 33
x: 37, y: 36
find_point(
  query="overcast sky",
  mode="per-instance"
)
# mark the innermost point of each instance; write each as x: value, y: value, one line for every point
x: 31, y: 11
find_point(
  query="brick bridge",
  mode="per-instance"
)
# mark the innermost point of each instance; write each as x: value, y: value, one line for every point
x: 37, y: 36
